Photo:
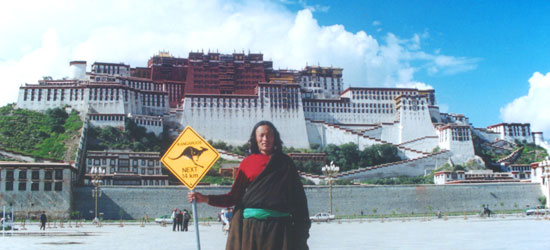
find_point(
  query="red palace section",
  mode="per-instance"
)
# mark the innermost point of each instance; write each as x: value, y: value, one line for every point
x: 211, y: 73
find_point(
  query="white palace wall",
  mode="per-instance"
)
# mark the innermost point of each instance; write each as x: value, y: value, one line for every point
x: 375, y: 132
x: 458, y: 140
x: 414, y: 118
x: 486, y: 135
x: 425, y: 144
x: 231, y: 118
x: 96, y: 98
x: 36, y: 98
x: 390, y: 132
x: 315, y: 133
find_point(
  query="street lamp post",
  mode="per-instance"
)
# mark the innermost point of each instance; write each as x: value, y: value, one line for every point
x: 330, y: 171
x: 96, y: 174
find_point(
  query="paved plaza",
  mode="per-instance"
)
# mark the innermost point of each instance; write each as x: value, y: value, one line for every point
x: 512, y: 232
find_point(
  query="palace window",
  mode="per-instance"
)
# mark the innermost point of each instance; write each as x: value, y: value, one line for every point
x: 22, y: 186
x: 22, y: 174
x: 9, y: 186
x: 47, y: 186
x: 34, y: 186
x: 59, y: 174
x: 59, y: 186
x: 48, y: 175
x: 35, y: 174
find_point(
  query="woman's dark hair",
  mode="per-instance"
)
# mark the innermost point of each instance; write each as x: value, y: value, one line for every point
x: 277, y: 143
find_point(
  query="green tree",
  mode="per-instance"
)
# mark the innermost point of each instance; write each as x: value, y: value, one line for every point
x: 57, y: 118
x: 348, y: 156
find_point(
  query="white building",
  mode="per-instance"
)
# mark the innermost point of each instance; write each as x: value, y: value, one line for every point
x: 513, y: 131
x: 321, y: 82
x: 457, y: 139
x: 307, y: 106
x: 478, y: 176
x: 541, y: 174
x: 126, y: 168
x: 105, y: 96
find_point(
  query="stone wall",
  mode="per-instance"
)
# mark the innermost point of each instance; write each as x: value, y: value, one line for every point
x: 135, y: 202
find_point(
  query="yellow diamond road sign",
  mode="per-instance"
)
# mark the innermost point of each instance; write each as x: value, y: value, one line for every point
x: 190, y: 157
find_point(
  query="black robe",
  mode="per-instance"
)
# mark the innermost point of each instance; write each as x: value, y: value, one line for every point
x: 277, y: 187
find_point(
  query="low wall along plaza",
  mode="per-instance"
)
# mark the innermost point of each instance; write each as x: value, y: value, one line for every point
x: 136, y: 202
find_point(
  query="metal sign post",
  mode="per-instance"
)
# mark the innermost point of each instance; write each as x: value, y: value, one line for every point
x: 196, y: 221
x: 189, y: 158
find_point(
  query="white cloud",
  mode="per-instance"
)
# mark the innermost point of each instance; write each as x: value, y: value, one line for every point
x: 43, y: 37
x: 376, y: 23
x: 313, y: 8
x: 533, y: 107
x: 36, y: 63
x: 417, y: 85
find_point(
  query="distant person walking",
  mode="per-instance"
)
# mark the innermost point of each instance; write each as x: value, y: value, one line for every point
x: 43, y: 220
x: 186, y: 218
x: 174, y: 219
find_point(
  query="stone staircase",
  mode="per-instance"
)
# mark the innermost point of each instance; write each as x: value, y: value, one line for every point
x: 421, y: 164
x: 376, y: 140
x: 512, y: 157
x: 418, y: 139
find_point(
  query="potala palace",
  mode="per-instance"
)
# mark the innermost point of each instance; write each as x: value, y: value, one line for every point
x: 223, y: 95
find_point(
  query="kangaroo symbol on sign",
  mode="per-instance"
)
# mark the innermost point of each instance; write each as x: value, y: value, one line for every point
x: 192, y: 154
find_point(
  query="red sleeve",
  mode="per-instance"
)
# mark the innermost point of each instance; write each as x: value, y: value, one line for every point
x: 230, y: 199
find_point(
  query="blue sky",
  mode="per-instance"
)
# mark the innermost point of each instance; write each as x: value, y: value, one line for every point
x: 508, y: 40
x: 487, y: 60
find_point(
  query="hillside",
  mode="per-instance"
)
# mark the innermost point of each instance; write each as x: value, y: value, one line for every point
x: 528, y: 153
x: 132, y: 137
x: 50, y: 135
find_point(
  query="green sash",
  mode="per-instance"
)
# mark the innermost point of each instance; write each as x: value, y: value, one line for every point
x: 262, y: 214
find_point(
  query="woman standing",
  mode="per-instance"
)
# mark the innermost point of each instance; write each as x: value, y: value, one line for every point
x: 270, y: 203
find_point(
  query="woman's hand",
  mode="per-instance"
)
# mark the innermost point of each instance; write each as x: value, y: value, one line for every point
x: 197, y: 196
